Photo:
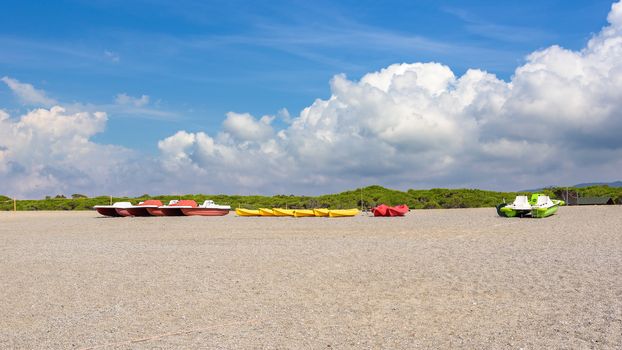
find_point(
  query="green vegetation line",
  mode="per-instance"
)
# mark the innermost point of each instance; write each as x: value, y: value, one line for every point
x: 371, y: 196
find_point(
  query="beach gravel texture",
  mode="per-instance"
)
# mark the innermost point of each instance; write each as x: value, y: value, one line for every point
x: 462, y: 278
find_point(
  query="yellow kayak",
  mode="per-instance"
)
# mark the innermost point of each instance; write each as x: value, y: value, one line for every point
x: 320, y: 212
x: 339, y: 213
x: 282, y: 212
x: 246, y: 212
x: 266, y: 212
x: 303, y: 213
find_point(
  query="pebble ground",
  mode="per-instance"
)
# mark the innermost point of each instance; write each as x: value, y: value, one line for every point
x: 462, y: 278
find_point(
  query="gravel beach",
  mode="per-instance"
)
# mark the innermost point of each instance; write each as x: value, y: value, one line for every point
x: 462, y: 278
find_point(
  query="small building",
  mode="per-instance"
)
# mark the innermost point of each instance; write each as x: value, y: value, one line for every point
x: 594, y: 201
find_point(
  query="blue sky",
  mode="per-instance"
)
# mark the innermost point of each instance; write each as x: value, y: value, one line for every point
x: 300, y: 97
x: 198, y: 60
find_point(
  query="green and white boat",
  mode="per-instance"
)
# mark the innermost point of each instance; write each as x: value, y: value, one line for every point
x: 519, y: 208
x: 543, y: 206
x: 538, y: 206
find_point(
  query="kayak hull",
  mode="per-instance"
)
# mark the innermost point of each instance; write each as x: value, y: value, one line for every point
x: 283, y: 212
x: 341, y: 213
x: 247, y: 212
x: 321, y: 212
x: 266, y: 212
x: 300, y: 213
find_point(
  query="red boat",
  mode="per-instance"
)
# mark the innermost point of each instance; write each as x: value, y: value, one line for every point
x: 380, y: 210
x: 156, y: 211
x: 123, y: 212
x: 142, y: 209
x: 174, y: 208
x: 117, y: 209
x: 208, y: 208
x: 398, y: 210
x: 385, y: 210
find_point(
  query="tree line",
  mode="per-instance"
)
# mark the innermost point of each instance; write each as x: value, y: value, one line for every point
x: 366, y: 198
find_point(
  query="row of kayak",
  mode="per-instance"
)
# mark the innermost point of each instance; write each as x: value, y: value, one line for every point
x: 381, y: 210
x: 298, y: 213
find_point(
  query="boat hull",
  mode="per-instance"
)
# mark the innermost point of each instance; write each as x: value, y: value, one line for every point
x: 247, y: 212
x: 155, y: 211
x: 512, y: 213
x: 544, y: 212
x: 394, y: 213
x: 321, y: 212
x: 172, y: 211
x: 505, y: 211
x: 204, y: 212
x: 384, y: 210
x: 342, y: 213
x: 123, y: 212
x: 399, y: 210
x: 138, y: 211
x: 283, y: 212
x: 302, y: 213
x: 380, y: 210
x: 266, y: 212
x: 501, y: 212
x: 108, y: 212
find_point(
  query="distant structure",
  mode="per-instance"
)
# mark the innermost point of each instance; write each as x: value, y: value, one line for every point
x: 591, y: 201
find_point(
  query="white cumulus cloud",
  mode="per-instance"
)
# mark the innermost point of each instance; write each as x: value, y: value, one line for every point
x: 27, y: 94
x: 244, y: 127
x: 49, y: 151
x: 556, y: 121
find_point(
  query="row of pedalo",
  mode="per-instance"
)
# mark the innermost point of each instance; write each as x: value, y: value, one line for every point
x: 536, y: 206
x: 184, y: 207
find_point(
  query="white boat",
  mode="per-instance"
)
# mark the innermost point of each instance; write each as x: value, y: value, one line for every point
x: 174, y: 208
x: 208, y: 208
x: 144, y: 208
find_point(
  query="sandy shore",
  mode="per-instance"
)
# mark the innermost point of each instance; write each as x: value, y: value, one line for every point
x: 434, y: 279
